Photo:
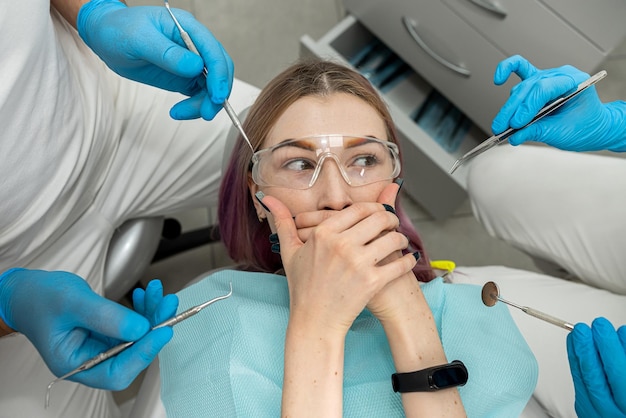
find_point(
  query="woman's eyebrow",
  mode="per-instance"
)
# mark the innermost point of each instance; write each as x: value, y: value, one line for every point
x: 361, y: 140
x: 304, y: 144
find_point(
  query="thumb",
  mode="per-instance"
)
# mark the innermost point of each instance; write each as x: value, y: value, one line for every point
x: 285, y: 225
x: 96, y: 313
x: 390, y: 193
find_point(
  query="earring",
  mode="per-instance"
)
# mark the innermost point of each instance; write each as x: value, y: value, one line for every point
x: 261, y: 218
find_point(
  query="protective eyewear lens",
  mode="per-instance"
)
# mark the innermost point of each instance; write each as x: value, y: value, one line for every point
x: 297, y: 163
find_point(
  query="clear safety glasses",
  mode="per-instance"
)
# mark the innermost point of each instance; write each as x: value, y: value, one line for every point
x: 297, y: 163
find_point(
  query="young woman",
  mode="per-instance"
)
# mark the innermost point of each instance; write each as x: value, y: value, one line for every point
x: 327, y: 302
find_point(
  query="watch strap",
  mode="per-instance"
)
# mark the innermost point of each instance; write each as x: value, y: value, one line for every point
x: 431, y: 379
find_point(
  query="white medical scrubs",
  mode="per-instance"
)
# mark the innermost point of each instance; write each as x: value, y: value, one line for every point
x: 82, y: 151
x: 565, y: 208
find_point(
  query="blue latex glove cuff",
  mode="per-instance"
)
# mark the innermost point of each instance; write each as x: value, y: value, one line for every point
x: 5, y: 298
x: 88, y: 8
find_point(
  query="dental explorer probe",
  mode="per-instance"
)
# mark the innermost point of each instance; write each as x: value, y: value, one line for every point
x: 94, y: 361
x: 491, y: 294
x: 192, y: 47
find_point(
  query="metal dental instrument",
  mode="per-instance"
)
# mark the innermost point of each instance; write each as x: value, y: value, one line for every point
x: 491, y: 294
x: 94, y: 361
x: 498, y: 139
x: 192, y: 47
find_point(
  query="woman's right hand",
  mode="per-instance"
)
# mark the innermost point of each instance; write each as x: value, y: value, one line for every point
x: 334, y: 274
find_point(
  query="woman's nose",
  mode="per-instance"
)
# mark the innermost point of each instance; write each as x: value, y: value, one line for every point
x: 333, y: 191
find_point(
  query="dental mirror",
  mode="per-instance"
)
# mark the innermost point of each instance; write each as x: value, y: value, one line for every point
x: 491, y: 295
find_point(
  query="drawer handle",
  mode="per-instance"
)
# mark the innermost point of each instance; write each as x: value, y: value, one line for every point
x: 491, y: 6
x: 411, y: 26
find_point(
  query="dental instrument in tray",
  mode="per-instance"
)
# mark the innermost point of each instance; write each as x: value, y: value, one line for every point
x: 94, y: 361
x: 192, y: 47
x: 498, y: 139
x: 491, y: 295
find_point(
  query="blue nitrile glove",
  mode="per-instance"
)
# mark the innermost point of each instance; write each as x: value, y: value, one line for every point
x: 143, y: 44
x: 153, y: 305
x: 582, y: 124
x: 597, y: 358
x: 68, y: 324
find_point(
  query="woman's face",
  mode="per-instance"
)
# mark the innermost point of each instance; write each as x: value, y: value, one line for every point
x: 339, y: 113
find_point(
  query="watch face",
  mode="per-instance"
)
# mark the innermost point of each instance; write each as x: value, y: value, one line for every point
x: 450, y: 376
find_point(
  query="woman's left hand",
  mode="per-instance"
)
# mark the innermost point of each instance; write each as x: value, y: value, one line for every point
x: 392, y: 300
x: 340, y: 258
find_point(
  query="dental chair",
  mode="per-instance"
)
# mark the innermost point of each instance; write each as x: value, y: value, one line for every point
x: 135, y: 245
x: 131, y: 251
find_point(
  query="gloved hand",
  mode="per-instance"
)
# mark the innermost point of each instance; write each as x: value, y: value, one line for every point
x: 143, y: 44
x: 68, y: 324
x: 582, y: 124
x: 597, y: 358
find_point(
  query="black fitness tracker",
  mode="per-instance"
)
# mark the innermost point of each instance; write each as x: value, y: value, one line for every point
x: 431, y: 379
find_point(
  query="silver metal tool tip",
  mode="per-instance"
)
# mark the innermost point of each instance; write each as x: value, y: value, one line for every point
x: 456, y: 165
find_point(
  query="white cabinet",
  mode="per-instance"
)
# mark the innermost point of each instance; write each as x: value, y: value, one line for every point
x: 452, y: 47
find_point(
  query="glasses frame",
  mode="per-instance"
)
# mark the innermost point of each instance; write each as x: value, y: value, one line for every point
x: 392, y: 147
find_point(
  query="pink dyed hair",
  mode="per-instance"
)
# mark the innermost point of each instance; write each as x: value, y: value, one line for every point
x: 246, y: 238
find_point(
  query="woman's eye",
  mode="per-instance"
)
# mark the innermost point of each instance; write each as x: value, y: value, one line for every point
x: 299, y: 165
x: 365, y: 161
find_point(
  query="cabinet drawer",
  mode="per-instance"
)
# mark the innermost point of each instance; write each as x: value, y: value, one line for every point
x: 530, y: 29
x: 444, y: 41
x: 426, y: 160
x: 603, y: 21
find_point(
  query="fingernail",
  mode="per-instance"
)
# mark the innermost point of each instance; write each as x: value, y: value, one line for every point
x: 274, y: 238
x: 259, y: 196
x: 417, y: 255
x: 399, y: 181
x: 389, y: 208
x: 276, y: 248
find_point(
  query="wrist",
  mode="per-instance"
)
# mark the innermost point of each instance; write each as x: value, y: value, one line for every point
x: 303, y: 326
x: 6, y: 325
x: 434, y: 378
x: 616, y: 126
x: 404, y: 303
x: 414, y: 339
x: 92, y: 10
x: 313, y: 374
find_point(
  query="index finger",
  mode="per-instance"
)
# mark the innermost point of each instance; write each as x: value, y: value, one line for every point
x: 592, y: 371
x: 218, y: 63
x: 284, y: 223
x: 311, y: 219
x: 307, y: 221
x: 96, y: 313
x: 613, y: 358
x: 514, y: 64
x: 524, y: 69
